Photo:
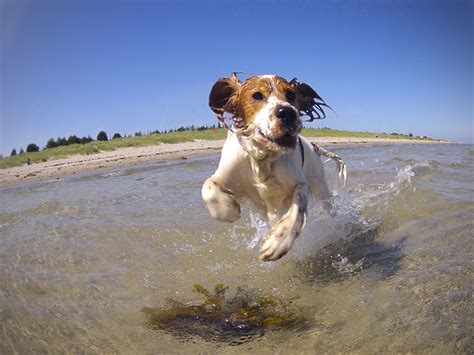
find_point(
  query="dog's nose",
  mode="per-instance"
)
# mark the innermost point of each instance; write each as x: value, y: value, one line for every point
x: 286, y: 115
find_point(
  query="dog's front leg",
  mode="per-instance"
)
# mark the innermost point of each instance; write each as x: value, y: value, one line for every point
x: 283, y: 233
x: 220, y: 201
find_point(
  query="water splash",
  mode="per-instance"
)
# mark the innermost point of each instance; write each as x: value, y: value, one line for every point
x: 261, y: 228
x: 368, y: 196
x: 346, y: 223
x: 323, y: 229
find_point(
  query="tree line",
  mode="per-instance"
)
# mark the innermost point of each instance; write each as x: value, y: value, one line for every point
x: 101, y: 136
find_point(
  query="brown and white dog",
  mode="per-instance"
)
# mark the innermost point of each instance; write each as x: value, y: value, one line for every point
x: 264, y: 159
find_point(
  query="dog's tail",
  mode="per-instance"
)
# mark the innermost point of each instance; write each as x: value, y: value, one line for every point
x: 341, y: 166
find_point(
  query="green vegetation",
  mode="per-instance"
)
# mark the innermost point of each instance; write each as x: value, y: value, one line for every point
x: 102, y: 136
x: 239, y: 318
x: 52, y: 143
x: 32, y: 148
x: 328, y: 132
x: 63, y: 148
x: 100, y: 146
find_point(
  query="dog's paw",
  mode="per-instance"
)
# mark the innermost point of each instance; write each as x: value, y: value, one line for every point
x: 278, y: 241
x: 224, y: 208
x: 220, y: 202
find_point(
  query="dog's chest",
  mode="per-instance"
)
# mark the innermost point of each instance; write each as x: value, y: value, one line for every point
x: 267, y: 182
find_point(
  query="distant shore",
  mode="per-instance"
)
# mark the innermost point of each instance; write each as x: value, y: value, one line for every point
x: 55, y: 169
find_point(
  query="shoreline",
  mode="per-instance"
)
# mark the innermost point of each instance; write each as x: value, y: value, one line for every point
x: 55, y: 169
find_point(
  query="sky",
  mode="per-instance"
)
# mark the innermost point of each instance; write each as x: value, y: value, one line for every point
x: 77, y: 67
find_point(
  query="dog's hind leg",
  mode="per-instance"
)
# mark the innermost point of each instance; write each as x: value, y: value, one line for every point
x: 320, y: 185
x: 314, y: 171
x: 220, y: 201
x: 341, y: 166
x: 283, y: 233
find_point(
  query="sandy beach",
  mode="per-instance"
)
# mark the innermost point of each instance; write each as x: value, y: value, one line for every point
x: 55, y: 169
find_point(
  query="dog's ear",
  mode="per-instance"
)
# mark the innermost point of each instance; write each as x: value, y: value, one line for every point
x: 223, y: 96
x: 308, y: 101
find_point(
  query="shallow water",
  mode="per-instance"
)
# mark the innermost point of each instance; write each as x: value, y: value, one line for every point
x: 82, y: 259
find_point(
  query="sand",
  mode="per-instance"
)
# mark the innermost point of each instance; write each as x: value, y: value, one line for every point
x: 55, y: 169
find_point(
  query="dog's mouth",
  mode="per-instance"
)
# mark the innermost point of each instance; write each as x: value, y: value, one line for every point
x: 287, y: 140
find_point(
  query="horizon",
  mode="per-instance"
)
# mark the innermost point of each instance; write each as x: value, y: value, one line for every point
x: 114, y: 135
x: 76, y: 68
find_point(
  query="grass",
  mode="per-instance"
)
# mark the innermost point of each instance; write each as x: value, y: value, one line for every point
x: 154, y: 139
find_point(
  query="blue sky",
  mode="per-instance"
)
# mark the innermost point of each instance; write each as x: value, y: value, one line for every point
x: 77, y: 67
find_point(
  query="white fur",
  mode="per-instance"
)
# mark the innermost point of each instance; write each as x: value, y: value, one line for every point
x: 262, y: 120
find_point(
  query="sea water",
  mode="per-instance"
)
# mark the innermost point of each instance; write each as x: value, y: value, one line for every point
x: 81, y: 257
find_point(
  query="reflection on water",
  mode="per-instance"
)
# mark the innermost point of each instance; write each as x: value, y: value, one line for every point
x: 106, y: 262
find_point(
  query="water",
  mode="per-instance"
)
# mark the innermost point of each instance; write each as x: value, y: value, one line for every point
x: 81, y: 258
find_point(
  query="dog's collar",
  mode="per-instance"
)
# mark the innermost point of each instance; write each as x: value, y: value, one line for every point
x: 302, y: 151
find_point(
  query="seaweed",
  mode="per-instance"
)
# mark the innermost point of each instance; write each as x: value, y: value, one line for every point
x: 237, y: 319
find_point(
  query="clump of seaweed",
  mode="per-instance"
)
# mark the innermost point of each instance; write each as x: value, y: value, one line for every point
x: 235, y: 319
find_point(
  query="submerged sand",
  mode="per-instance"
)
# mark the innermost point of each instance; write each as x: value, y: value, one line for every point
x: 55, y: 169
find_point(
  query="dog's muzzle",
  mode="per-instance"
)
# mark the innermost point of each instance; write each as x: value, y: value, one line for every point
x: 286, y: 115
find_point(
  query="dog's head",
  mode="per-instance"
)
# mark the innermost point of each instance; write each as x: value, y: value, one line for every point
x: 267, y: 108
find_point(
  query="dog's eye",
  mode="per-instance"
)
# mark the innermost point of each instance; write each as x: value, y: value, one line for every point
x: 258, y: 96
x: 290, y: 96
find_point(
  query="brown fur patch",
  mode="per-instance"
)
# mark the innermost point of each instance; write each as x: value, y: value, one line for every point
x: 249, y: 107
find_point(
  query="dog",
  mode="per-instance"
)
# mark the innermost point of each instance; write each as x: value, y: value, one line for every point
x: 265, y: 160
